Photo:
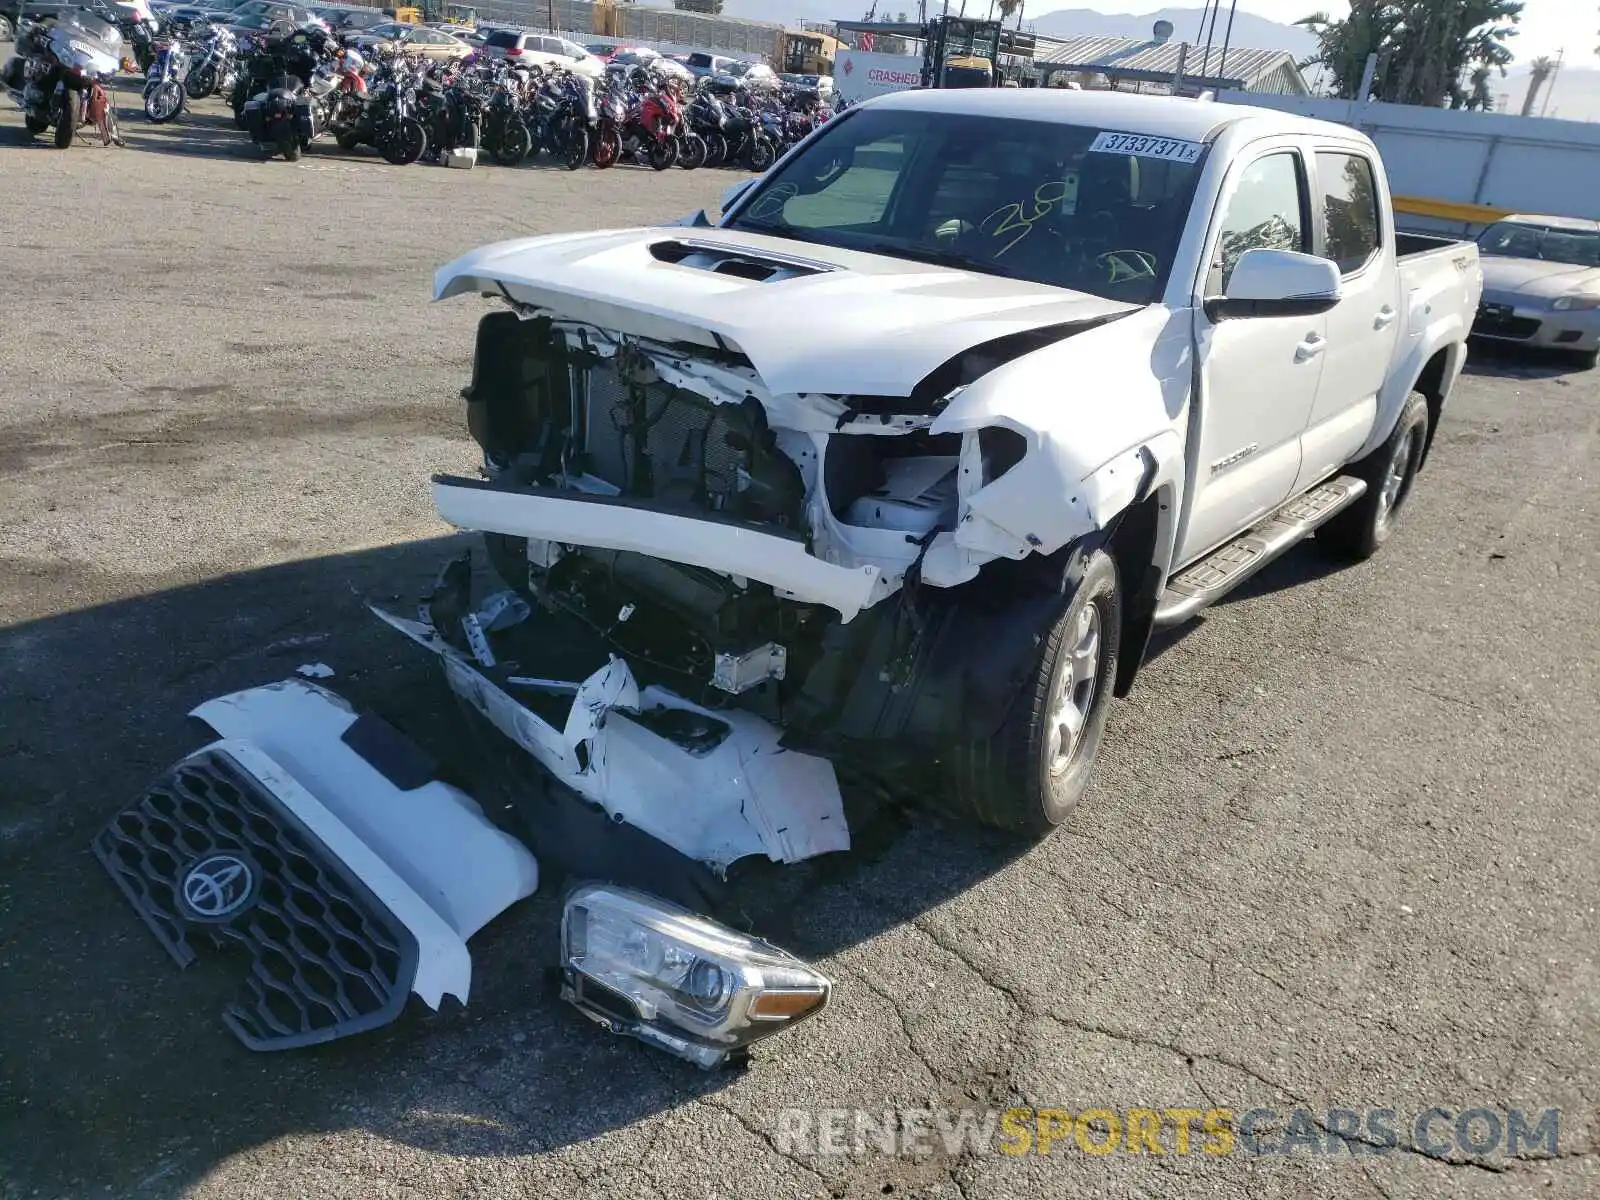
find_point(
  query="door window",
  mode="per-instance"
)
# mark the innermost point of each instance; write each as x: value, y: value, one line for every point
x: 1266, y: 211
x: 1349, y: 209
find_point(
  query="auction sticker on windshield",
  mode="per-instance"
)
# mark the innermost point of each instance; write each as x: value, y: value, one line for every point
x: 1144, y: 146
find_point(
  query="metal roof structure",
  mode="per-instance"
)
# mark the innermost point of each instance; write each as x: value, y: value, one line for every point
x: 1158, y: 62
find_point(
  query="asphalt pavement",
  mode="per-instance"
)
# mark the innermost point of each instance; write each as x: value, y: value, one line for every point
x: 1340, y: 854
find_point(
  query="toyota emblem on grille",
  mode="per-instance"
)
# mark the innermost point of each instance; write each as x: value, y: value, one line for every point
x: 218, y: 886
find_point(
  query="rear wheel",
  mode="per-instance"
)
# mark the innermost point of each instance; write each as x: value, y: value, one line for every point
x: 716, y: 148
x: 1358, y: 531
x: 1030, y: 775
x: 36, y: 125
x: 346, y: 142
x: 288, y: 142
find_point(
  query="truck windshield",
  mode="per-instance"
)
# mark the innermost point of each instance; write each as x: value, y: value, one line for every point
x: 1519, y: 239
x: 1094, y: 210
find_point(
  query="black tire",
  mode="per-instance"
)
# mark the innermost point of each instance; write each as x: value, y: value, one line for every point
x: 35, y: 125
x: 660, y: 155
x: 67, y: 125
x: 716, y: 148
x: 1586, y: 359
x: 288, y: 143
x: 515, y: 142
x: 238, y: 100
x: 761, y: 154
x: 347, y: 142
x: 607, y: 149
x: 574, y: 147
x: 405, y: 143
x: 202, y: 81
x: 1390, y: 470
x: 1025, y: 778
x: 691, y: 152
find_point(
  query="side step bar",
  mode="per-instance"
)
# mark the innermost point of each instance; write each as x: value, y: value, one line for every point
x: 1226, y: 567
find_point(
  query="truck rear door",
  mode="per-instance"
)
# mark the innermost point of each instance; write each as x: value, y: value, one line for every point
x: 1354, y: 228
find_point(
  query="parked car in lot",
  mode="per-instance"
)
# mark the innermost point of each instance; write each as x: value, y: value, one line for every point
x: 1541, y: 284
x: 894, y: 468
x: 542, y: 49
x: 412, y: 39
x: 701, y: 64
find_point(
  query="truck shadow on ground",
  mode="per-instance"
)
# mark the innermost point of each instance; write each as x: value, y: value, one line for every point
x: 114, y: 1052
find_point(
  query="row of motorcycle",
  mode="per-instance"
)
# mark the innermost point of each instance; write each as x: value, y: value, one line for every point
x: 296, y: 84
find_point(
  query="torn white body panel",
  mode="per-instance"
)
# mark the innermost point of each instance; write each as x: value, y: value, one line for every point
x: 746, y: 795
x: 434, y: 838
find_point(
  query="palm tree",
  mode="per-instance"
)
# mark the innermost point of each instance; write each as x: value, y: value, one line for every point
x: 1539, y: 70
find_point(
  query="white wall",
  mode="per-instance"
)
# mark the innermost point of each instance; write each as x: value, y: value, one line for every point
x: 1523, y: 164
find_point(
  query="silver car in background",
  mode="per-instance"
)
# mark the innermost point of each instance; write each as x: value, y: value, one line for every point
x: 1541, y: 284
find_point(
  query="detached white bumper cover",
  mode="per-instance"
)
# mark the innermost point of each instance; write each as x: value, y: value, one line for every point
x: 775, y: 559
x: 317, y: 841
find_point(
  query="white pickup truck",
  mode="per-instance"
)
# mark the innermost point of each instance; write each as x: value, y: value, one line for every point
x: 895, y: 467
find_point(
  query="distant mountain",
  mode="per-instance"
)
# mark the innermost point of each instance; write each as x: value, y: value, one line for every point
x: 1252, y: 32
x: 1249, y: 31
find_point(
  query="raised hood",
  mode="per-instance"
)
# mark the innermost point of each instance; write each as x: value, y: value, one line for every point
x: 809, y: 318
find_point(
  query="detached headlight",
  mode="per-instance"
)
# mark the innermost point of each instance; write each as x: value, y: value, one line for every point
x: 692, y: 987
x: 1575, y: 303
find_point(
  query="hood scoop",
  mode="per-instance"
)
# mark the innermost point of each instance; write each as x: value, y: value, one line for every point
x: 759, y: 266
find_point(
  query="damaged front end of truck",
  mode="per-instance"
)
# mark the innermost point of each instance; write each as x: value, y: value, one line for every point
x: 718, y: 584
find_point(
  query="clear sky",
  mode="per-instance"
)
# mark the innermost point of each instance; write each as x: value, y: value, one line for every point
x: 1546, y: 25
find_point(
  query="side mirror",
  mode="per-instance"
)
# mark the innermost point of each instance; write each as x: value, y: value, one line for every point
x: 731, y: 196
x: 1277, y: 283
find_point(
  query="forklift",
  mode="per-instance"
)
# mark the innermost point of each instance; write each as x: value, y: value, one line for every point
x: 960, y: 52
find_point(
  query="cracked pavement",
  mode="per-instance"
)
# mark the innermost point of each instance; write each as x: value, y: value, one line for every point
x: 1340, y: 852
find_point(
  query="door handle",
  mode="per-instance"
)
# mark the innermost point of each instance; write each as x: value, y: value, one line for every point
x: 1385, y: 318
x: 1314, y: 345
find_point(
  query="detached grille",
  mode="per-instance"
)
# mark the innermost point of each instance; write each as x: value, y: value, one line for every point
x: 211, y: 860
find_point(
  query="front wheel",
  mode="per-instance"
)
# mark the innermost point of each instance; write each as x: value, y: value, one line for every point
x: 1358, y: 531
x: 691, y: 152
x: 662, y: 153
x: 405, y: 142
x: 574, y: 147
x: 66, y: 123
x: 1031, y: 774
x: 514, y: 144
x: 201, y: 83
x: 607, y: 148
x: 760, y: 154
x: 163, y: 102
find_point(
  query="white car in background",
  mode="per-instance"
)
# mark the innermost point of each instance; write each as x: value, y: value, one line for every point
x: 542, y: 49
x: 1541, y: 284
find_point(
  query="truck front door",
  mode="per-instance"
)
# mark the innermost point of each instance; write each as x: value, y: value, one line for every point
x: 1258, y: 376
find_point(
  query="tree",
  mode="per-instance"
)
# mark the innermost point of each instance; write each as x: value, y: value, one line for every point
x: 1425, y: 48
x: 1539, y: 72
x: 1479, y: 98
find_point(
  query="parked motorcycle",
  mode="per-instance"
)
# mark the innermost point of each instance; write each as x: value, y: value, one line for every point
x: 387, y: 119
x: 293, y: 108
x: 60, y: 75
x: 164, y: 94
x: 216, y: 63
